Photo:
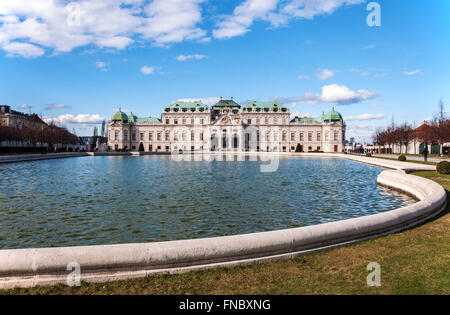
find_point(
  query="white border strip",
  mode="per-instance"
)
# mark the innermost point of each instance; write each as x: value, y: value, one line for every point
x: 47, y: 266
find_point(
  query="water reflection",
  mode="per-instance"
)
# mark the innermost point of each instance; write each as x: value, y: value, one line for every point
x: 106, y: 200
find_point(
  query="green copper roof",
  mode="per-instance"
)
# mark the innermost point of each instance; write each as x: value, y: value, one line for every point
x: 188, y: 105
x: 148, y: 120
x: 332, y: 116
x: 132, y: 118
x: 264, y: 105
x: 226, y: 103
x: 120, y: 116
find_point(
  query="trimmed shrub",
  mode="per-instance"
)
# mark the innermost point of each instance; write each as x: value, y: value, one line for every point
x: 402, y: 158
x: 141, y: 147
x: 299, y: 148
x: 443, y: 168
x: 368, y: 155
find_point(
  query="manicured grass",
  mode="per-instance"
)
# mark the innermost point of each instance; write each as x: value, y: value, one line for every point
x: 416, y: 261
x: 410, y: 161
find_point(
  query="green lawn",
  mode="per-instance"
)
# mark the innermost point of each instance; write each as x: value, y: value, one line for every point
x: 416, y: 261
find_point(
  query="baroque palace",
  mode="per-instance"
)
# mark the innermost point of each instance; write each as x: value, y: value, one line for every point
x: 227, y: 127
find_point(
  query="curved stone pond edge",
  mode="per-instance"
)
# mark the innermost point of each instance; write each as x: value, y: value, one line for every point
x: 48, y: 266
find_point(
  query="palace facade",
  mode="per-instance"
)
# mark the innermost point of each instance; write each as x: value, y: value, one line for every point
x: 227, y: 127
x: 12, y: 118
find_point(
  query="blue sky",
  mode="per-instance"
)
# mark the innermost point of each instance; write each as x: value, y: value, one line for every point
x: 78, y: 62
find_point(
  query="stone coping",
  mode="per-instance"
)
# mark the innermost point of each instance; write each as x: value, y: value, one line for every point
x: 48, y: 266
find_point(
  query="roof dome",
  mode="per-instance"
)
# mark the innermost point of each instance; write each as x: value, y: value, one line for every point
x: 132, y: 118
x: 120, y: 116
x: 332, y: 116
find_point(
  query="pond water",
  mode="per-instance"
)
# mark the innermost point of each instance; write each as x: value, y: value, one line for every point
x: 113, y: 200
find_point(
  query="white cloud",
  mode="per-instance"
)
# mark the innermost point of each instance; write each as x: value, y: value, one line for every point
x: 25, y: 50
x: 148, y: 70
x: 25, y: 106
x: 243, y: 16
x: 60, y: 25
x: 325, y: 74
x: 72, y: 119
x: 365, y: 117
x: 340, y: 94
x: 103, y: 66
x: 333, y: 93
x: 365, y: 74
x: 276, y: 12
x: 303, y: 77
x: 172, y: 21
x: 411, y: 73
x: 188, y: 57
x: 57, y: 106
x: 372, y: 46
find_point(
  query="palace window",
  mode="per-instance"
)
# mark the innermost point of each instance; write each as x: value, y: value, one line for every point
x: 175, y: 136
x: 125, y: 135
x: 284, y: 136
x: 201, y: 121
x: 167, y: 121
x: 292, y: 136
x: 249, y: 121
x: 133, y: 136
x: 142, y: 136
x: 192, y: 136
x: 336, y: 135
x: 201, y: 136
x: 318, y: 136
x: 257, y: 121
x: 159, y: 136
x: 167, y: 136
x: 310, y: 136
x: 184, y: 121
x: 116, y: 135
x: 150, y: 136
x: 275, y: 121
x: 302, y: 137
x: 184, y: 136
x: 327, y: 136
x: 267, y: 121
x: 192, y: 121
x: 175, y: 121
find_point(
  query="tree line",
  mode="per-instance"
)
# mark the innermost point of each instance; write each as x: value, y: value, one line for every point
x: 50, y: 134
x: 434, y: 132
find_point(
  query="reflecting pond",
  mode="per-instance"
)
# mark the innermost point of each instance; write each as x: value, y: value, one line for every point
x: 112, y: 200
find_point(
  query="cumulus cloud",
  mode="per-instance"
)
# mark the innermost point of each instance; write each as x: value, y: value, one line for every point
x: 333, y: 93
x: 342, y: 95
x: 25, y: 50
x: 86, y: 119
x: 303, y: 77
x: 29, y: 27
x: 365, y: 117
x: 188, y: 57
x: 148, y: 70
x: 325, y: 74
x: 411, y: 73
x: 56, y: 106
x: 275, y: 12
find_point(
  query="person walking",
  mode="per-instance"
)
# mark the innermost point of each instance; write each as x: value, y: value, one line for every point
x: 425, y: 153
